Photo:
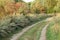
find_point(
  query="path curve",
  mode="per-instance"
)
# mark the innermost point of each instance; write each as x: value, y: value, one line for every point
x: 16, y: 36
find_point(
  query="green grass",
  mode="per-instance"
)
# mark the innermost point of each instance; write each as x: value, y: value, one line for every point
x: 53, y: 31
x: 33, y: 33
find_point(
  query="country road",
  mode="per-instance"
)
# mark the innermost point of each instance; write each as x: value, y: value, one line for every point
x: 16, y: 36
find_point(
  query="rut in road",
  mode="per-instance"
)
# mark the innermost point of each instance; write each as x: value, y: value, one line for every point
x: 43, y: 32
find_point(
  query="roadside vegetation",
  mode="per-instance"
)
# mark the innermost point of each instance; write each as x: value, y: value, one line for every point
x: 53, y: 31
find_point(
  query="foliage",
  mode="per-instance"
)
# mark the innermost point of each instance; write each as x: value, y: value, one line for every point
x: 53, y: 31
x: 50, y: 4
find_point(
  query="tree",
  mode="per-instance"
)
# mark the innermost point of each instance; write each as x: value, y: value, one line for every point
x: 2, y: 7
x: 57, y: 7
x: 50, y: 4
x: 38, y: 6
x: 35, y: 6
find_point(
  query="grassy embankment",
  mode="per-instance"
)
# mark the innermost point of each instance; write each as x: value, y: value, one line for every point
x: 53, y: 31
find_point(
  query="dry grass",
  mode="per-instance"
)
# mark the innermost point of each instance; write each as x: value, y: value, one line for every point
x: 57, y: 14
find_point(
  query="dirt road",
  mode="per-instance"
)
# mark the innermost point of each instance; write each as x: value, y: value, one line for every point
x: 16, y: 36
